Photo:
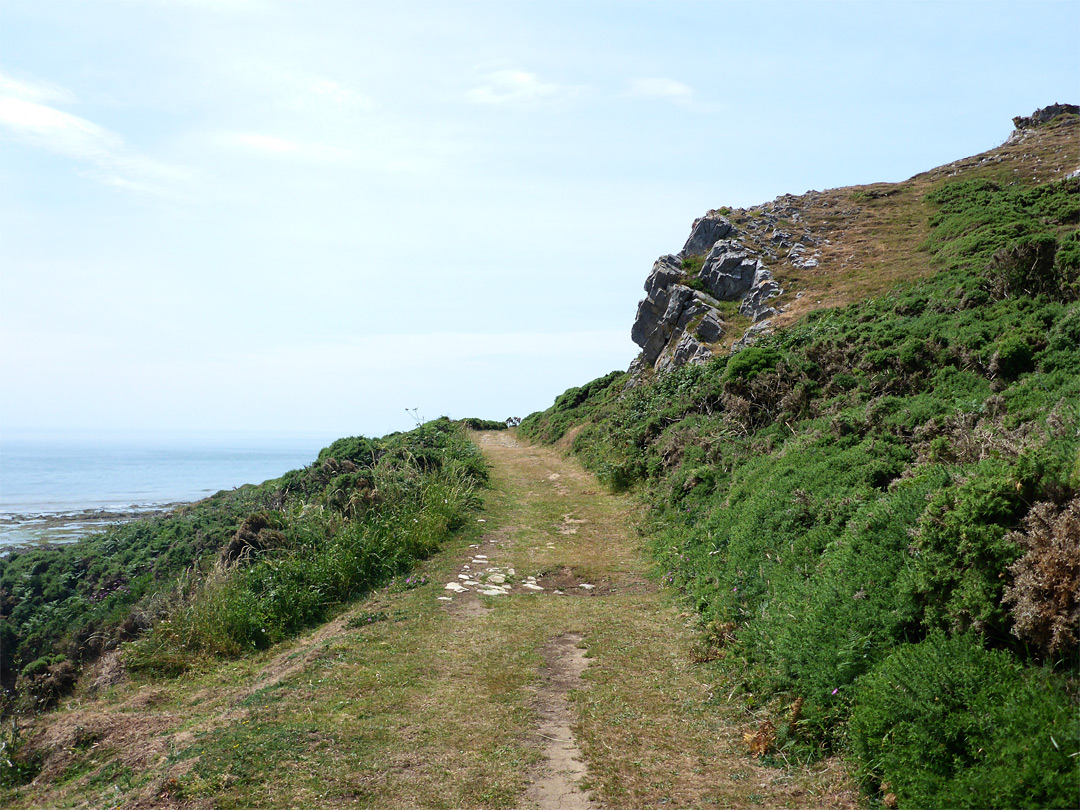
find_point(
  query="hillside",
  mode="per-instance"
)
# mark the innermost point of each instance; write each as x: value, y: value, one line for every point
x: 745, y: 271
x: 874, y: 506
x: 826, y: 552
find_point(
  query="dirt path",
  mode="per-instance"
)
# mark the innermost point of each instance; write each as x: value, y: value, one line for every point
x: 538, y: 667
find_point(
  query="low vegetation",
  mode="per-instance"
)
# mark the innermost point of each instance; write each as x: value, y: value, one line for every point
x: 238, y: 571
x: 875, y: 511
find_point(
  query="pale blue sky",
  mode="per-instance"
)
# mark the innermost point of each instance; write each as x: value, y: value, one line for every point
x: 274, y: 214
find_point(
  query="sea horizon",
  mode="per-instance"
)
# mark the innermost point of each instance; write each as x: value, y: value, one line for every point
x: 60, y: 486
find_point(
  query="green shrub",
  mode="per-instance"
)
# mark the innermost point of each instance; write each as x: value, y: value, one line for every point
x: 474, y: 423
x: 750, y: 362
x: 849, y: 486
x: 947, y: 723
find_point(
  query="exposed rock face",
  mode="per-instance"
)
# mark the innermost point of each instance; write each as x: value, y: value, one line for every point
x: 1044, y: 115
x: 707, y: 231
x: 677, y: 323
x: 729, y: 270
x: 732, y: 255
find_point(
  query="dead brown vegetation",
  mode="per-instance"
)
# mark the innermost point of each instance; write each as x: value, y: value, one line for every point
x: 1046, y: 580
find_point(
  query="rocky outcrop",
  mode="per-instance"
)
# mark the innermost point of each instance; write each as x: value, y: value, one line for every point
x: 671, y: 310
x: 1044, y: 115
x: 722, y: 291
x: 680, y: 320
x: 705, y: 233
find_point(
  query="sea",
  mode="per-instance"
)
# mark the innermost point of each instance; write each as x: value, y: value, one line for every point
x: 60, y: 488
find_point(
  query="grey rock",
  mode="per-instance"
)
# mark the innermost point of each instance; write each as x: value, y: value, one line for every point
x: 651, y: 330
x: 754, y: 305
x: 666, y: 271
x: 680, y: 297
x: 799, y: 258
x: 1045, y: 115
x: 752, y: 335
x: 688, y: 349
x: 711, y: 328
x: 729, y: 270
x: 705, y: 233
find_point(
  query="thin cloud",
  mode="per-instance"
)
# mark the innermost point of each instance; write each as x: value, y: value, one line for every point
x: 272, y: 146
x: 668, y: 89
x: 336, y: 94
x: 103, y: 154
x: 32, y: 89
x: 516, y: 87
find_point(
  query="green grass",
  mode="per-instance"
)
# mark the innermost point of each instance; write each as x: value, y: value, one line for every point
x: 851, y: 488
x: 239, y: 571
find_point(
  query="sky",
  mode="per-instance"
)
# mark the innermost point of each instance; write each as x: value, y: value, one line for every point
x: 341, y: 216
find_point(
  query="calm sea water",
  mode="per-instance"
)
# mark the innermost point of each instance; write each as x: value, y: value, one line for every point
x: 62, y: 488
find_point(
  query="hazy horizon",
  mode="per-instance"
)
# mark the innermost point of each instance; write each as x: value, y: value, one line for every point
x: 329, y: 216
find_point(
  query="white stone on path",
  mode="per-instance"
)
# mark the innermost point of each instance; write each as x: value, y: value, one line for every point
x: 456, y: 587
x: 532, y: 586
x: 445, y: 598
x: 496, y: 579
x: 586, y: 587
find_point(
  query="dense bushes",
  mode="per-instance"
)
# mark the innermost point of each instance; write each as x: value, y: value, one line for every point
x: 948, y: 723
x: 878, y: 508
x: 240, y: 570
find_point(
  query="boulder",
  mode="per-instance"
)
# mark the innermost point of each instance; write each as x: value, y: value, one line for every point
x: 753, y: 304
x: 651, y: 328
x: 666, y: 270
x: 688, y: 349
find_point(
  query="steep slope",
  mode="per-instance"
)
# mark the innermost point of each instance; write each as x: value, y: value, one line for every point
x: 875, y: 507
x: 745, y: 272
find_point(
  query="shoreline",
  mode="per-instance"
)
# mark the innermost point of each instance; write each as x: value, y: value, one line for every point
x: 21, y: 531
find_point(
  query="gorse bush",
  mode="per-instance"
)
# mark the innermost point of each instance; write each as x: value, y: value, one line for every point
x: 880, y: 493
x: 948, y: 723
x: 238, y: 571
